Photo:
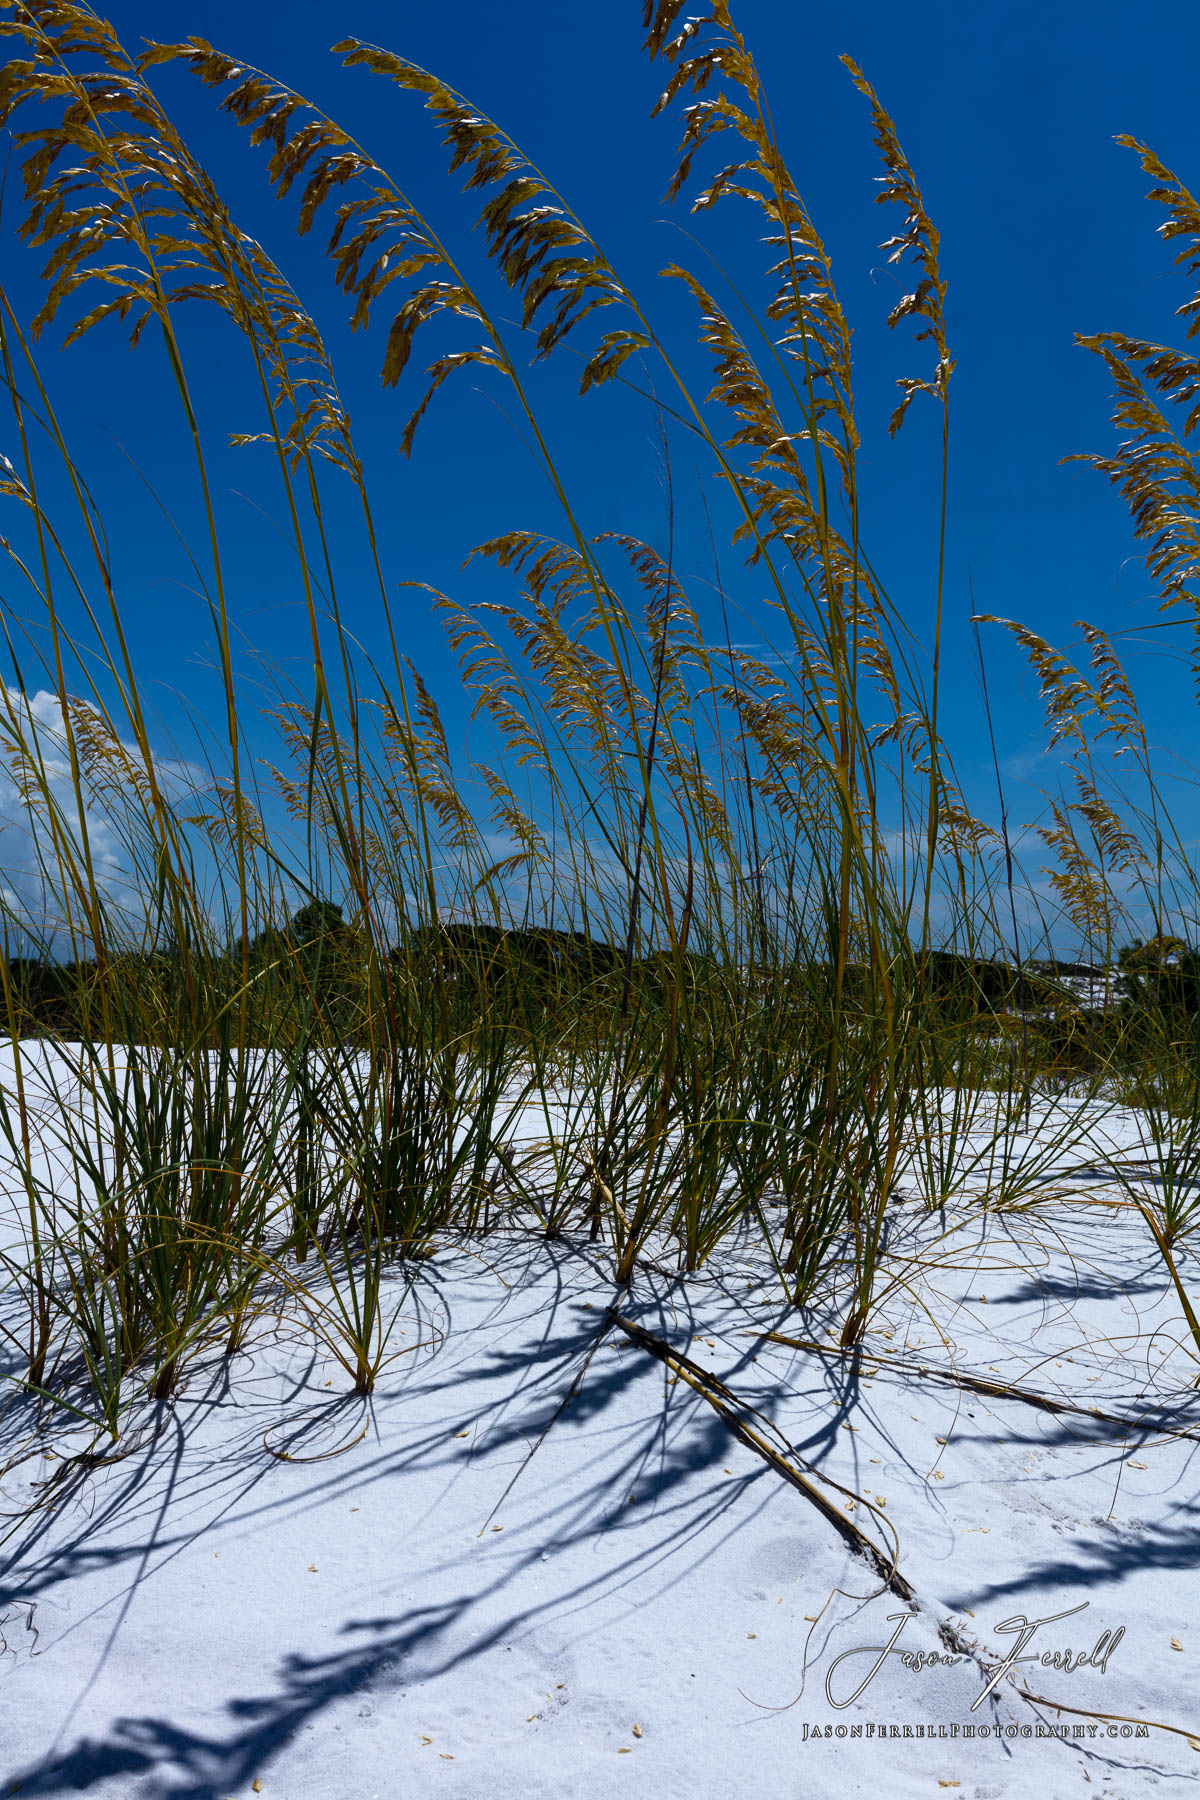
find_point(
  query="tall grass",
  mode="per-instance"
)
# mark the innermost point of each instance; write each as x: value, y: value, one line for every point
x: 739, y: 1011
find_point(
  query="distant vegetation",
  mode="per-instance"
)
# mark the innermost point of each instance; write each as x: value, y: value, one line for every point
x: 538, y: 978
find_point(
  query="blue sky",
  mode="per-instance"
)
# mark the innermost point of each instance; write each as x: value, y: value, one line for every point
x: 1007, y: 112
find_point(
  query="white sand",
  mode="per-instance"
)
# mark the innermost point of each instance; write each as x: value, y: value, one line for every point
x: 206, y: 1617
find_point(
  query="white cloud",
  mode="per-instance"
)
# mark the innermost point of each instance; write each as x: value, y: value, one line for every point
x: 40, y: 811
